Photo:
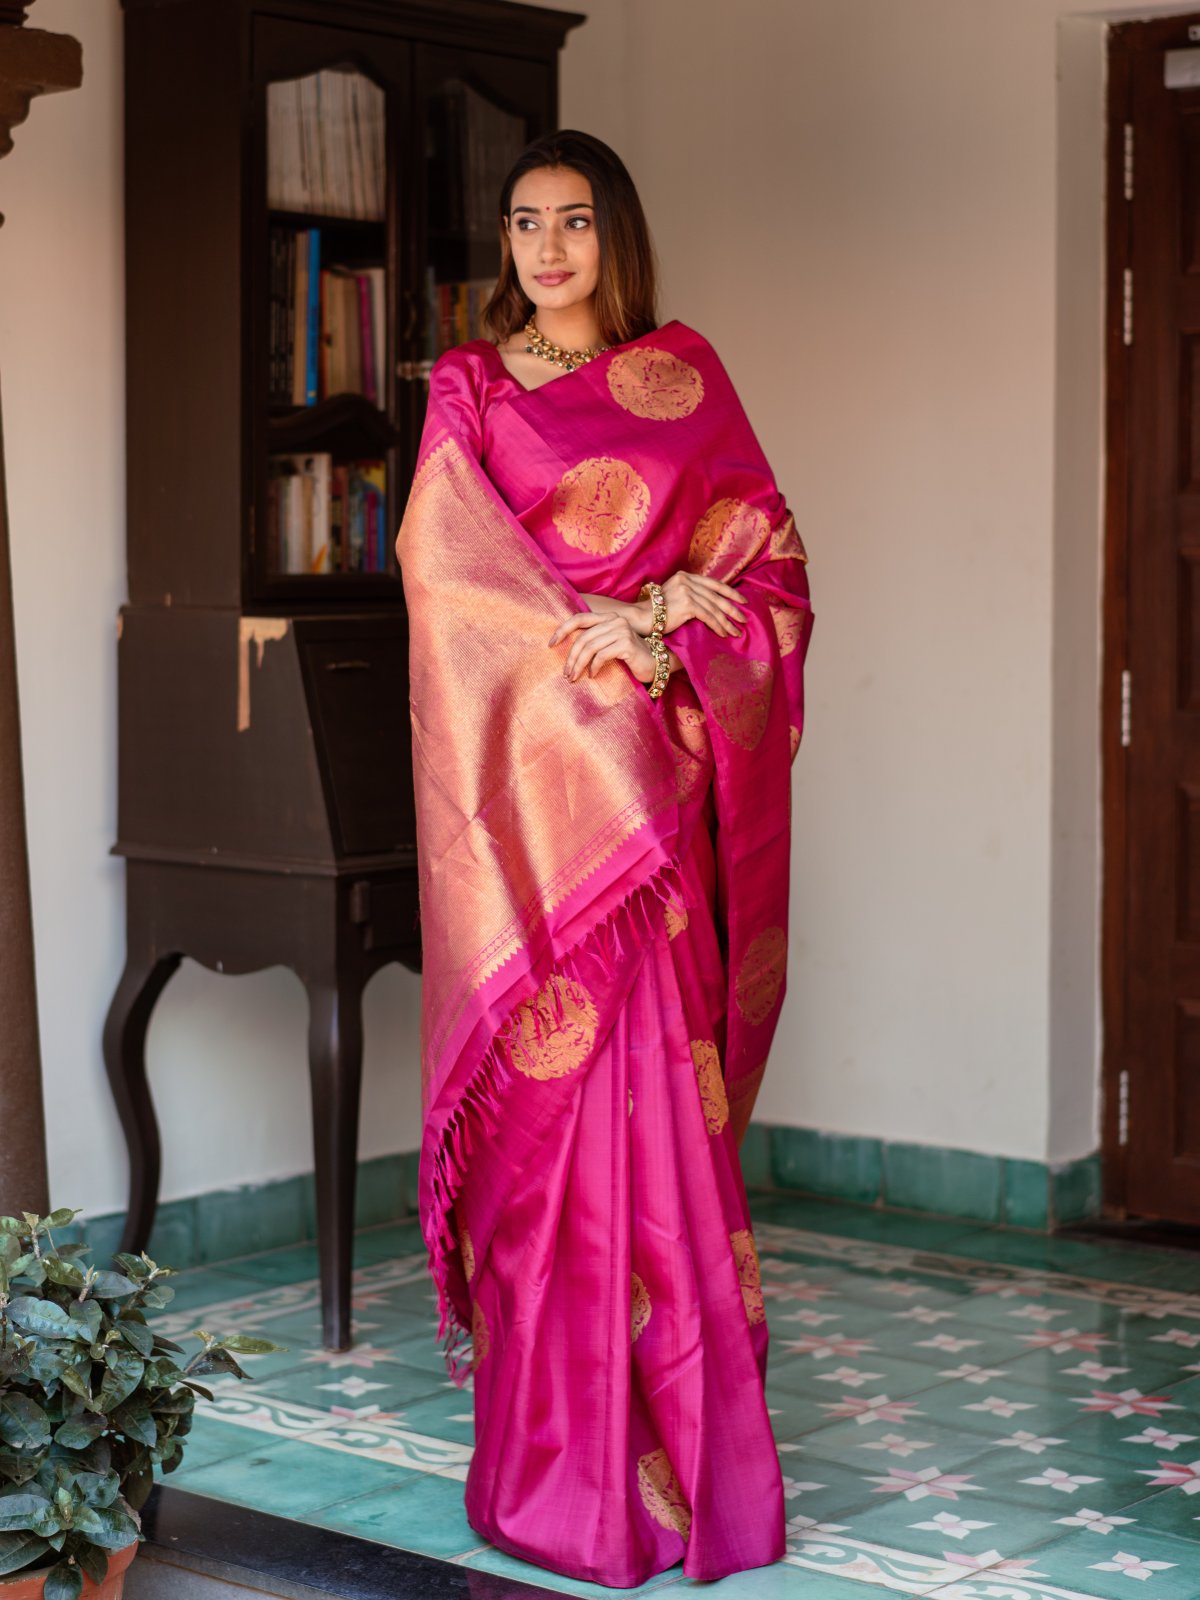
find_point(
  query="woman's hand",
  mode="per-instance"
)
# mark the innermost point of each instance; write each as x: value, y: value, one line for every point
x: 603, y: 636
x: 686, y: 595
x: 692, y: 594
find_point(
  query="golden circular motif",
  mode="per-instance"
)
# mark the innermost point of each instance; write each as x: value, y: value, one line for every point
x: 794, y: 739
x: 676, y: 919
x: 655, y: 384
x: 468, y: 1253
x: 600, y: 504
x: 712, y: 1084
x: 661, y: 1494
x: 761, y: 974
x: 551, y: 1033
x: 739, y: 693
x: 727, y: 537
x: 789, y: 626
x: 786, y: 543
x: 692, y: 751
x: 480, y: 1339
x: 640, y: 1307
x: 745, y: 1254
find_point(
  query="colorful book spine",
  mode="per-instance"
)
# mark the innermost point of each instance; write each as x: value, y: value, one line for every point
x: 314, y: 315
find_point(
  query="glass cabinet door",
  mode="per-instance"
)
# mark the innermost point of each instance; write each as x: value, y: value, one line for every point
x: 326, y: 291
x: 476, y: 114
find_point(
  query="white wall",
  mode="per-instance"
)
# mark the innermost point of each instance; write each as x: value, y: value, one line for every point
x: 881, y: 216
x: 870, y: 208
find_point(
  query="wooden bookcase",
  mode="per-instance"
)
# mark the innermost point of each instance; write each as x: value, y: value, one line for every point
x: 265, y: 807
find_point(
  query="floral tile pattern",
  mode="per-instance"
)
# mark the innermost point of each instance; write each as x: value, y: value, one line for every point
x: 962, y: 1412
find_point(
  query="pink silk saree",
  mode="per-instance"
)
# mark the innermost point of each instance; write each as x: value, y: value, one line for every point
x: 603, y: 889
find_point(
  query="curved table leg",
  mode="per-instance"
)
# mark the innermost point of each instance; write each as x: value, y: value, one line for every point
x: 335, y: 1043
x: 142, y: 981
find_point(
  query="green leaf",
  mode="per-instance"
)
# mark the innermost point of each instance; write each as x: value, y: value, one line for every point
x: 20, y: 1264
x: 198, y: 1388
x: 134, y: 1266
x: 112, y: 1285
x: 74, y: 1379
x: 21, y: 1510
x: 78, y: 1432
x: 88, y: 1315
x: 98, y: 1488
x: 43, y: 1317
x: 23, y: 1423
x: 135, y: 1422
x: 158, y: 1295
x: 160, y: 1343
x: 94, y: 1562
x: 138, y: 1335
x: 64, y: 1272
x: 122, y: 1378
x: 172, y: 1402
x: 18, y: 1550
x: 64, y: 1582
x: 60, y: 1218
x: 11, y: 1225
x: 110, y: 1527
x: 246, y: 1346
x: 48, y: 1362
x: 213, y: 1360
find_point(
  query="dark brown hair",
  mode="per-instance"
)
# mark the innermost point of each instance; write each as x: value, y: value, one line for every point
x: 627, y: 286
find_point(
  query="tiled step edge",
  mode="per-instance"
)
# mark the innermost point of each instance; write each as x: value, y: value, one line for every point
x: 213, y: 1227
x: 916, y: 1177
x: 209, y: 1228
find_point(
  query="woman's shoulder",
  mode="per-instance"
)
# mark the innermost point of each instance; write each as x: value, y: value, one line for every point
x: 465, y: 373
x: 472, y: 355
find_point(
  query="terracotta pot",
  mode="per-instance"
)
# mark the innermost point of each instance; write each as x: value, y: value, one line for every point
x: 28, y: 1585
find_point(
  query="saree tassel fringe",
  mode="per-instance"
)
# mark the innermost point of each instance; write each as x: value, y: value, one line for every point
x: 482, y: 1102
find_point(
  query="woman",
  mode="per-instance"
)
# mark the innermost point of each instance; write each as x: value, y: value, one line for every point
x: 603, y: 815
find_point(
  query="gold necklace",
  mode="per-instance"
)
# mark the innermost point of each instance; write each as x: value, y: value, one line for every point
x: 537, y: 344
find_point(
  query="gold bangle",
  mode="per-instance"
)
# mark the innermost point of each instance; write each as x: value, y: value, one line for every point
x: 658, y: 606
x: 662, y: 662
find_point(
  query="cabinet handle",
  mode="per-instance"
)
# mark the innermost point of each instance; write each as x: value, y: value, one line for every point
x: 347, y: 666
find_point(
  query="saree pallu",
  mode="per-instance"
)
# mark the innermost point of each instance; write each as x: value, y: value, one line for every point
x: 603, y: 889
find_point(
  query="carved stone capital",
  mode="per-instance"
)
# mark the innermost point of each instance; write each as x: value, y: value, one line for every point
x: 31, y: 63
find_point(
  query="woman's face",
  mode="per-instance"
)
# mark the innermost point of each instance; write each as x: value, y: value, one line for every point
x: 552, y: 235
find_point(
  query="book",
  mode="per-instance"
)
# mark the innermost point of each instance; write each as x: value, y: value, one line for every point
x: 300, y: 512
x: 326, y: 144
x: 313, y: 334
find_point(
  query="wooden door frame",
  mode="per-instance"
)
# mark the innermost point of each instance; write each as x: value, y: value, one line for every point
x: 1118, y: 1059
x: 1115, y: 632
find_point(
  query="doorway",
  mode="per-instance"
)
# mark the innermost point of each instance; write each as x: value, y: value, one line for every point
x: 1151, y: 681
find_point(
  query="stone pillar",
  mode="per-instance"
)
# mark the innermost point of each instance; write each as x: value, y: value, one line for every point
x: 31, y: 63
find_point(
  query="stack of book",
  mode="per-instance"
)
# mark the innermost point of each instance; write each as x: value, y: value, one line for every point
x: 475, y: 143
x: 328, y: 325
x: 325, y: 145
x: 326, y: 517
x: 455, y: 312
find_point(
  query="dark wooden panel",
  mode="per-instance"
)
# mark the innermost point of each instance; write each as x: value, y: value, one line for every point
x: 185, y: 370
x: 1186, y: 1087
x: 358, y: 694
x: 190, y: 777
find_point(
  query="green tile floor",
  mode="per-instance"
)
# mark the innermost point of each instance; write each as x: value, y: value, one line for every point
x: 964, y: 1412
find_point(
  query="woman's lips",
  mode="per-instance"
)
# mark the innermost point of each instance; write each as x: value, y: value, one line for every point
x: 551, y: 278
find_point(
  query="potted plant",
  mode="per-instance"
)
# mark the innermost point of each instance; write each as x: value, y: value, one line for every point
x: 91, y: 1399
